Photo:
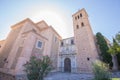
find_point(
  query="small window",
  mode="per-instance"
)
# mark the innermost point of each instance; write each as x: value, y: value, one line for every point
x: 34, y: 30
x: 55, y: 38
x: 39, y: 44
x: 88, y: 59
x: 77, y: 26
x: 62, y: 43
x: 5, y: 59
x: 75, y: 18
x: 82, y: 24
x: 80, y: 15
x: 72, y: 41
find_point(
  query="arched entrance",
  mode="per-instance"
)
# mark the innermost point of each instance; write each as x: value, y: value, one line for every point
x: 67, y: 65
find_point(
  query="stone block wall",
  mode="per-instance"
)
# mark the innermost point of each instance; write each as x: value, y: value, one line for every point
x: 4, y: 76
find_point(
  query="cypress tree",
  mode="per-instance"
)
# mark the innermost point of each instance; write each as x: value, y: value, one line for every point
x: 103, y: 47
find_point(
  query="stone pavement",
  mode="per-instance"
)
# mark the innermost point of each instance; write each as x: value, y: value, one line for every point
x: 69, y: 76
x: 115, y: 74
x: 75, y: 76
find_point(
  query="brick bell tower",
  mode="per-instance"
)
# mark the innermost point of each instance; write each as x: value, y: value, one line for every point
x: 85, y: 41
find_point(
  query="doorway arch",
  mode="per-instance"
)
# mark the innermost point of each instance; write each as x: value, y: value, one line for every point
x: 67, y: 65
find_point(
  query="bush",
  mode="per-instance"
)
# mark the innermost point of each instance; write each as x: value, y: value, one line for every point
x: 36, y: 69
x: 100, y: 70
x: 118, y: 60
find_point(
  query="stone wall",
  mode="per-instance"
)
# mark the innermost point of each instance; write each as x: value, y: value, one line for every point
x: 4, y: 76
x: 84, y: 41
x: 8, y: 46
x: 54, y: 50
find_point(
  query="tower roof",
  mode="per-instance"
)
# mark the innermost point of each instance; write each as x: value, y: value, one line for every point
x: 81, y: 10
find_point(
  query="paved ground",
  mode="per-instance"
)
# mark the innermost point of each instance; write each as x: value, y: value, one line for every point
x: 115, y: 75
x: 74, y: 76
x: 68, y: 76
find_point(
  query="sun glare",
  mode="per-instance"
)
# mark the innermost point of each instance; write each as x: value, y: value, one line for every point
x: 53, y: 18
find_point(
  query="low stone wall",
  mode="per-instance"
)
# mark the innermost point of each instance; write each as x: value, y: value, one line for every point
x: 21, y: 77
x: 4, y: 76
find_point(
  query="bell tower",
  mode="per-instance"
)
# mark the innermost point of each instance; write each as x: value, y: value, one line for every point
x: 86, y: 50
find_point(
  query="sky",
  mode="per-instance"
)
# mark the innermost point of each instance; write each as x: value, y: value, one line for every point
x: 104, y: 15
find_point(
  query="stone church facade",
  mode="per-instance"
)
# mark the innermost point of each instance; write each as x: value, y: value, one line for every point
x: 78, y: 52
x: 27, y: 39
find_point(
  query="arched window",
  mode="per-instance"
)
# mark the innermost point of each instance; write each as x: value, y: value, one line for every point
x: 72, y: 41
x: 62, y: 43
x: 82, y: 24
x: 77, y: 26
x: 55, y: 39
x: 75, y: 18
x: 80, y: 15
x: 5, y: 59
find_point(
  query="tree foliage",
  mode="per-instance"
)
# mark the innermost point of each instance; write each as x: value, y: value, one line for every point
x: 103, y: 46
x: 115, y: 48
x: 118, y: 37
x: 36, y: 69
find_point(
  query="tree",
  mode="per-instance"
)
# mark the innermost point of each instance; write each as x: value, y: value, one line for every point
x: 118, y: 54
x: 118, y: 60
x: 118, y: 37
x: 103, y: 47
x: 36, y: 69
x: 115, y: 48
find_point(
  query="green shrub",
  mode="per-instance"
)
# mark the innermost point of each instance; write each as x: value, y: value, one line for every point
x: 100, y: 71
x: 36, y: 69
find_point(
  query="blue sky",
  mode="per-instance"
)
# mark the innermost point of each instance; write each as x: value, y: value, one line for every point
x: 104, y: 15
